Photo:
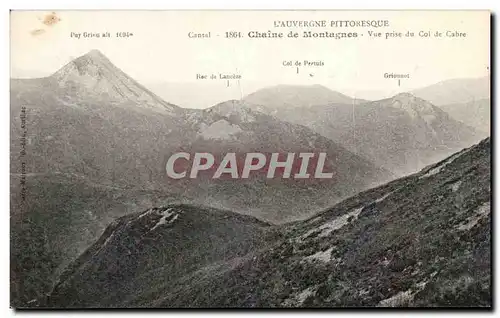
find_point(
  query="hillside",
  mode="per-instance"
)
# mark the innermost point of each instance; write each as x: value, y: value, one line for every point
x: 90, y: 118
x: 61, y: 215
x: 422, y: 240
x: 235, y: 127
x: 92, y: 143
x: 402, y: 134
x: 476, y: 114
x: 454, y: 91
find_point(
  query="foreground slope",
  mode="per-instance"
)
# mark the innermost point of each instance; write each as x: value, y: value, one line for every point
x: 423, y: 240
x: 154, y: 249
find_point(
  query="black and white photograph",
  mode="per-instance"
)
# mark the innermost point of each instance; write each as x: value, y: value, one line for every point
x: 250, y: 159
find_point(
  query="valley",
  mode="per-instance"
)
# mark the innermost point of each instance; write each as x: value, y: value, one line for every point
x: 362, y: 251
x: 97, y: 221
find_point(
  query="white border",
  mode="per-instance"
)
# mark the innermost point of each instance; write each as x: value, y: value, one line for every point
x: 255, y: 4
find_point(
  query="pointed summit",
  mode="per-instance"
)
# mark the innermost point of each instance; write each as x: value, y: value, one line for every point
x: 404, y: 96
x: 93, y: 57
x: 238, y: 110
x: 92, y: 76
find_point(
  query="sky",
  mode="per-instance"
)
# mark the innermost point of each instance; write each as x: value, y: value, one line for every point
x: 160, y: 50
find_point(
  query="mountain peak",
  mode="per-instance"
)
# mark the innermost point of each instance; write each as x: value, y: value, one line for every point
x: 404, y: 96
x: 94, y: 76
x: 236, y: 109
x: 406, y: 99
x: 413, y: 105
x: 231, y: 105
x: 91, y: 64
x: 95, y: 54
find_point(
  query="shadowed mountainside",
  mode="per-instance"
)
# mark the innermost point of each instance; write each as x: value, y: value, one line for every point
x: 422, y: 240
x: 402, y: 134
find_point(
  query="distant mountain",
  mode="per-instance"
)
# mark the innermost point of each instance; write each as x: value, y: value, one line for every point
x: 475, y: 113
x: 455, y: 91
x: 234, y: 126
x: 156, y: 247
x: 297, y: 96
x: 199, y: 95
x: 403, y: 133
x: 422, y: 240
x: 92, y: 119
x: 91, y: 144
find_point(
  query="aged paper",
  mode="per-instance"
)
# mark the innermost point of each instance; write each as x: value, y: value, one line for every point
x: 194, y: 159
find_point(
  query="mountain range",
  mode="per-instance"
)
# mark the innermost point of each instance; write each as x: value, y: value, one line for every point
x: 95, y: 121
x: 92, y: 141
x: 466, y: 100
x: 402, y: 134
x: 452, y: 91
x: 96, y: 144
x: 422, y: 240
x: 455, y: 91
